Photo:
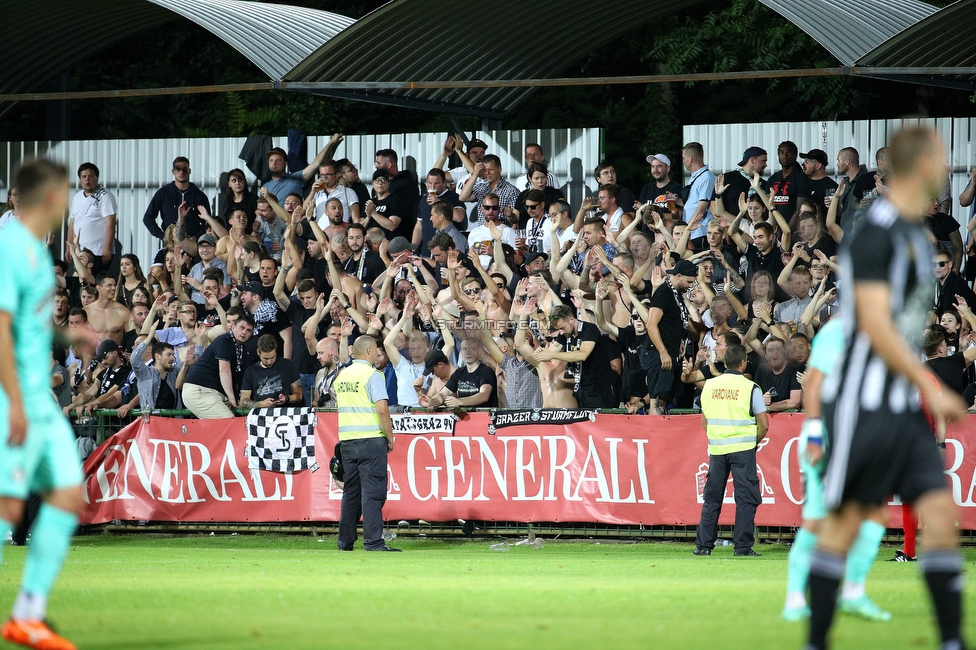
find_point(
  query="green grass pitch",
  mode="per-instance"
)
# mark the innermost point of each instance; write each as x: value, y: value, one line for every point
x: 298, y: 592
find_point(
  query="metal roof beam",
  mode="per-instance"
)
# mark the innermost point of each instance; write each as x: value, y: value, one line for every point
x: 368, y: 96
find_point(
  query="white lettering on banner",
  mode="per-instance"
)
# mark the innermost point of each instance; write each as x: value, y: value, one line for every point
x: 179, y: 474
x: 521, y: 467
x: 451, y: 468
x: 500, y: 474
x: 419, y: 424
x: 784, y: 470
x: 959, y: 455
x: 600, y: 478
x: 642, y: 473
x: 615, y: 474
x: 562, y: 468
x: 412, y: 468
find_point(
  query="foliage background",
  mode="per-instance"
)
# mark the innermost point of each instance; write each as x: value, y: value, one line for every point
x: 711, y: 36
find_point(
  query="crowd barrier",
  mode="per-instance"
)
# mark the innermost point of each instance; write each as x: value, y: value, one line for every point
x: 525, y: 466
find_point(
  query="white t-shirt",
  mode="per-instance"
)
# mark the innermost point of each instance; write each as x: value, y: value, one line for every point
x: 563, y: 237
x: 89, y: 214
x: 614, y: 220
x: 7, y: 217
x: 481, y: 235
x: 522, y: 182
x: 345, y: 194
x: 460, y: 175
x: 406, y: 372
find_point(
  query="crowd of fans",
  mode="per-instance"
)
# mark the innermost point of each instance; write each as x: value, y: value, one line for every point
x: 484, y: 293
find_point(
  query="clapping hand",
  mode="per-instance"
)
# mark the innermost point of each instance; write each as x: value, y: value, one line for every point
x: 720, y: 185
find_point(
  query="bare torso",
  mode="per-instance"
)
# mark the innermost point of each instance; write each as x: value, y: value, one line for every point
x: 108, y: 321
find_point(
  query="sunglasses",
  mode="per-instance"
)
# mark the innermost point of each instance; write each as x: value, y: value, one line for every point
x: 940, y: 264
x: 489, y: 207
x: 532, y: 206
x: 472, y: 291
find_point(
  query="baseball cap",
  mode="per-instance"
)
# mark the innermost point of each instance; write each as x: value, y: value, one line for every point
x: 684, y: 267
x: 104, y: 348
x: 381, y: 173
x: 433, y: 358
x: 400, y: 244
x: 816, y: 154
x: 475, y: 142
x: 207, y: 238
x: 752, y: 152
x: 254, y: 287
x: 452, y: 309
x: 528, y: 258
x: 277, y: 150
x: 660, y: 157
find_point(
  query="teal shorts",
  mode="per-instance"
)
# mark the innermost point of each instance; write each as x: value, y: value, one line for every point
x: 48, y: 459
x: 814, y: 504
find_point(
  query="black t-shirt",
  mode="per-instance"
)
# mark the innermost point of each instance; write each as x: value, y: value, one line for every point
x: 118, y: 377
x: 778, y: 386
x: 307, y: 364
x: 206, y: 371
x: 772, y: 261
x: 788, y: 190
x: 129, y: 340
x: 817, y: 190
x: 423, y: 214
x: 367, y: 268
x: 942, y: 226
x: 593, y: 376
x: 248, y: 205
x: 465, y: 383
x: 737, y: 184
x: 393, y: 206
x: 405, y: 187
x: 671, y: 328
x: 165, y: 399
x: 270, y: 382
x: 950, y: 370
x: 658, y: 195
x: 825, y: 244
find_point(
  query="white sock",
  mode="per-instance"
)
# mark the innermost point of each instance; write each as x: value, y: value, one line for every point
x: 795, y: 600
x: 29, y: 607
x: 852, y: 591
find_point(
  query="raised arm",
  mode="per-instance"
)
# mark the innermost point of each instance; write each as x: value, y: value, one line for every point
x: 835, y: 230
x: 327, y: 152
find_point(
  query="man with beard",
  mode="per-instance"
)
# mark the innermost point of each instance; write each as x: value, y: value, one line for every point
x: 662, y: 189
x: 156, y: 383
x: 789, y: 183
x: 283, y: 183
x: 363, y: 264
x: 403, y: 184
x: 333, y: 220
x: 328, y: 187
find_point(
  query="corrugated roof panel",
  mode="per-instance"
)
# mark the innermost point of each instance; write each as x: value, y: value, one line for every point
x: 274, y: 37
x: 849, y: 30
x: 565, y: 34
x: 38, y: 60
x: 943, y: 39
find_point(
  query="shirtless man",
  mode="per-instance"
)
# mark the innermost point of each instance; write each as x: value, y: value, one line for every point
x: 228, y: 244
x: 557, y: 391
x: 107, y: 317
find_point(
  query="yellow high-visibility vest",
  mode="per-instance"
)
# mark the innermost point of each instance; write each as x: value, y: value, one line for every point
x: 726, y: 402
x: 357, y: 414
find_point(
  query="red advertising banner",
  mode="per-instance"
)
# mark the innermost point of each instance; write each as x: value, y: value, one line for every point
x: 614, y: 469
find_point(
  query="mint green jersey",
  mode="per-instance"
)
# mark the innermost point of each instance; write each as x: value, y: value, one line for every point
x: 27, y: 294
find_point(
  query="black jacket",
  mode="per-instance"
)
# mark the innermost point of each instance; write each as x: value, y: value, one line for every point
x: 166, y: 201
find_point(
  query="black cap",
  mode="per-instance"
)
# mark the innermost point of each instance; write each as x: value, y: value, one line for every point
x: 381, y: 173
x: 254, y: 287
x: 684, y: 267
x: 433, y: 358
x: 752, y: 152
x: 528, y: 258
x: 475, y: 142
x: 277, y: 150
x: 816, y: 154
x: 104, y: 348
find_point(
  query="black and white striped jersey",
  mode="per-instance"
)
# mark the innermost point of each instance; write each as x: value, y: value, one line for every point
x: 891, y: 249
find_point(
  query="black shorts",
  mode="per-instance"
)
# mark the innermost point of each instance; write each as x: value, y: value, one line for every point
x: 660, y: 382
x: 879, y: 454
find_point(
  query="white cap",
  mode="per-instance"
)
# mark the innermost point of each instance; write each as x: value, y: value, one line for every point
x: 660, y: 157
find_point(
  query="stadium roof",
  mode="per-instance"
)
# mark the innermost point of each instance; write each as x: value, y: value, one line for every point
x: 419, y: 53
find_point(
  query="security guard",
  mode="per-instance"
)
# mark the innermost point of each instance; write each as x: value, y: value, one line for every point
x: 365, y: 439
x: 734, y: 417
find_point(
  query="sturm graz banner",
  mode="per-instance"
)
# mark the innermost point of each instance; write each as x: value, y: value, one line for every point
x: 281, y: 439
x: 501, y: 419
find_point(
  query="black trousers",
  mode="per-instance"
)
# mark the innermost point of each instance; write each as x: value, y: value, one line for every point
x: 745, y: 481
x: 364, y: 491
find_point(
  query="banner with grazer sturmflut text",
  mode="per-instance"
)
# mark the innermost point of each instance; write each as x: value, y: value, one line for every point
x: 615, y: 469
